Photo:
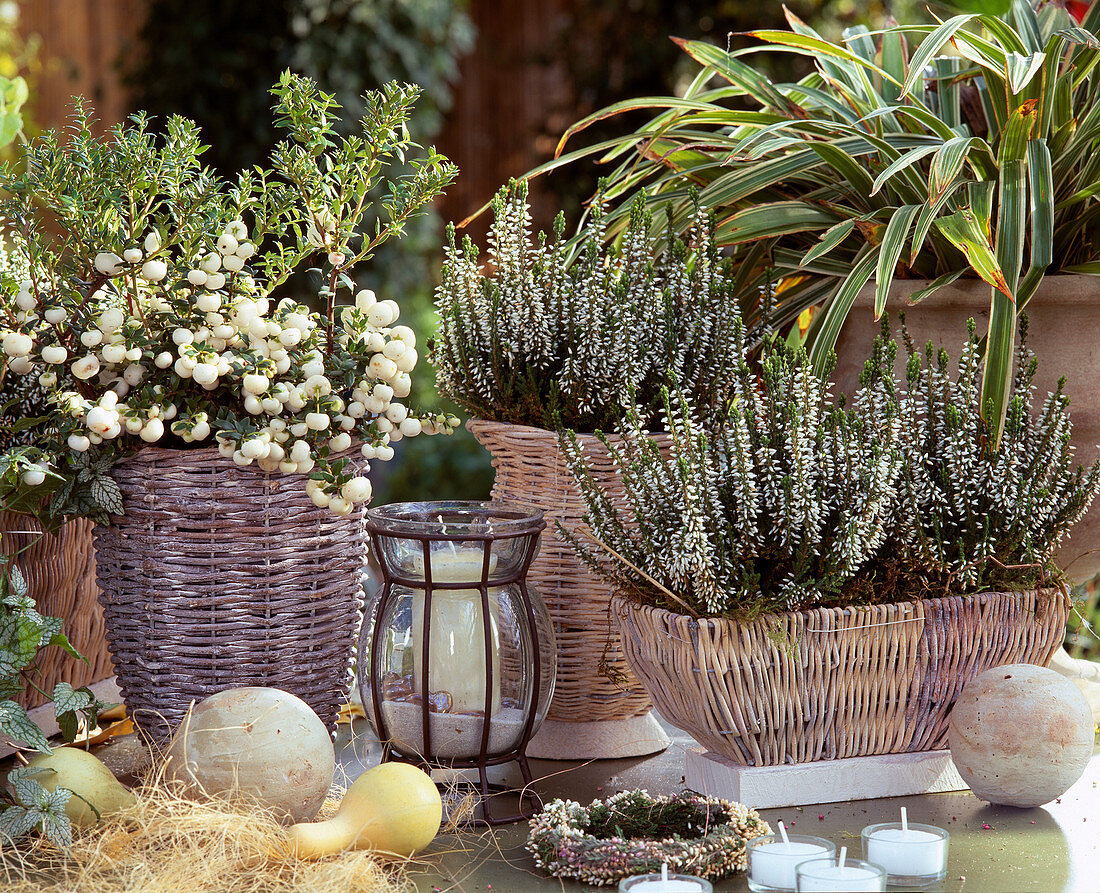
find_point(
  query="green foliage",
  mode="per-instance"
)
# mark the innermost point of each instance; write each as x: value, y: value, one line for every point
x: 868, y: 168
x: 212, y: 62
x: 794, y: 502
x: 567, y: 332
x: 26, y: 805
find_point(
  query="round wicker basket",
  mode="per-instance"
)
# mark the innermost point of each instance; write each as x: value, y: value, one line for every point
x: 219, y: 576
x: 60, y: 574
x: 832, y: 682
x: 531, y: 469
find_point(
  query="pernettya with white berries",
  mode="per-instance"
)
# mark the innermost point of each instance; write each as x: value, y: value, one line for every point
x: 152, y: 322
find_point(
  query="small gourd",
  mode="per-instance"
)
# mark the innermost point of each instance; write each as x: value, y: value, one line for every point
x: 94, y: 786
x: 393, y: 808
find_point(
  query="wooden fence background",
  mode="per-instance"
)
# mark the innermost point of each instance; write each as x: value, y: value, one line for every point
x: 82, y: 42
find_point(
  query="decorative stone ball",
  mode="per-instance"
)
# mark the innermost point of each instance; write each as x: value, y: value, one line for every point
x: 263, y: 744
x: 1020, y: 735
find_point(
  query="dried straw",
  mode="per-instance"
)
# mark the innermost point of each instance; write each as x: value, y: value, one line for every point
x: 168, y: 843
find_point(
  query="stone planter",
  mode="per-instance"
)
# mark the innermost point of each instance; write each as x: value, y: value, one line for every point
x: 1064, y: 319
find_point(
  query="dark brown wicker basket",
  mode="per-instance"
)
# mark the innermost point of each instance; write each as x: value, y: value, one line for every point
x: 219, y: 576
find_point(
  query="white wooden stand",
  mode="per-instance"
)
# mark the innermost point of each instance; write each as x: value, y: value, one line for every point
x: 636, y: 736
x: 825, y: 781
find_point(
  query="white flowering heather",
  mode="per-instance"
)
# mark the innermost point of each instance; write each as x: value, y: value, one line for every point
x: 152, y: 321
x: 972, y: 517
x: 566, y: 331
x: 778, y: 506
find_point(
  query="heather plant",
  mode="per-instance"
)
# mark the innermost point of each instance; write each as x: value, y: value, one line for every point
x: 570, y: 331
x: 777, y: 507
x: 794, y: 500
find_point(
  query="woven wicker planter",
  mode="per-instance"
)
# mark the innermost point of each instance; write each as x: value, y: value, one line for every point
x: 854, y: 681
x: 531, y: 469
x: 60, y: 574
x: 219, y: 576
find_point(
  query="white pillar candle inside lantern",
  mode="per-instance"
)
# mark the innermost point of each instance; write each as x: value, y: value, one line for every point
x: 456, y: 652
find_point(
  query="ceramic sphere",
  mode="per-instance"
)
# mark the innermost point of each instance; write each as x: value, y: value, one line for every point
x: 1020, y: 735
x: 263, y: 744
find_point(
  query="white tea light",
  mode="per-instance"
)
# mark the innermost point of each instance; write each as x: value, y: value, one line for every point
x: 913, y: 855
x: 841, y: 876
x: 772, y: 860
x: 665, y: 883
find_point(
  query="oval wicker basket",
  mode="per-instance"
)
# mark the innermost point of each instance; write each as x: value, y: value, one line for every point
x: 219, y: 576
x: 832, y: 682
x: 60, y: 574
x: 531, y: 469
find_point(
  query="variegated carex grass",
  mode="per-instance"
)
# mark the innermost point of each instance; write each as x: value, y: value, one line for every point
x: 962, y: 148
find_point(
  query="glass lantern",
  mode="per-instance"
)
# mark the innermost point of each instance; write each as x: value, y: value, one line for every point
x: 457, y: 659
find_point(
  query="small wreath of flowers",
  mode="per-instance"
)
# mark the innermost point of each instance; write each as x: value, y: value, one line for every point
x: 633, y: 832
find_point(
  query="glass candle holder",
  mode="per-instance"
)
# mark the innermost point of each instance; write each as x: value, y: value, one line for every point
x: 913, y: 855
x: 456, y: 658
x: 772, y: 860
x: 665, y: 883
x: 826, y: 876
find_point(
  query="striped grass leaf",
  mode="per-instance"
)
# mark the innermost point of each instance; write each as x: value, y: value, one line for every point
x: 890, y: 251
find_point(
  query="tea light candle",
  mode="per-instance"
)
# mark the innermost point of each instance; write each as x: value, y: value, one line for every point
x: 826, y: 876
x: 665, y: 883
x: 772, y: 861
x: 911, y: 854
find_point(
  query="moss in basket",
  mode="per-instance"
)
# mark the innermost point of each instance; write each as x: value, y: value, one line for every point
x: 566, y: 330
x: 791, y: 499
x: 155, y: 318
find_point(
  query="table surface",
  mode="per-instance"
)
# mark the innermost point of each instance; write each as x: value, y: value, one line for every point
x: 993, y: 849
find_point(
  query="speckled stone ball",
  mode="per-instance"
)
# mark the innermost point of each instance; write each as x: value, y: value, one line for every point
x: 1021, y: 735
x: 261, y: 743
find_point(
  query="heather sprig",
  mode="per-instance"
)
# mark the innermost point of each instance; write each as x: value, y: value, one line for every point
x: 564, y: 330
x: 974, y: 516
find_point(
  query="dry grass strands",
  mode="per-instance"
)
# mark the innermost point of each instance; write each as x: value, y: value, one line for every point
x: 171, y: 844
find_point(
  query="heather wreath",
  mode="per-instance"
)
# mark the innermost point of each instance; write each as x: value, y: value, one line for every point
x: 148, y: 308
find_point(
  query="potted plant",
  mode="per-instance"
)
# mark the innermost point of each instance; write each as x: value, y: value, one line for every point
x: 570, y: 333
x: 834, y: 575
x: 220, y: 434
x: 955, y: 174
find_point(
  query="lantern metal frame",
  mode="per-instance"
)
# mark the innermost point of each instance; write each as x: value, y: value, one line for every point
x: 521, y: 522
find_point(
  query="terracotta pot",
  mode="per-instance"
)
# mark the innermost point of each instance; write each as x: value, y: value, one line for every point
x: 1064, y: 319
